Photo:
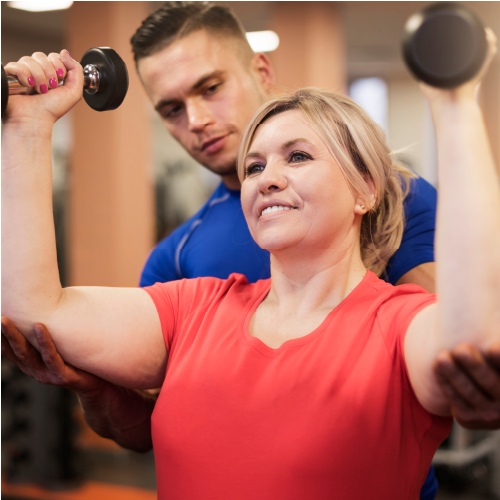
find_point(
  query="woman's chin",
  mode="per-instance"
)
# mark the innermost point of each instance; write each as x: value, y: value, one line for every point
x: 276, y: 244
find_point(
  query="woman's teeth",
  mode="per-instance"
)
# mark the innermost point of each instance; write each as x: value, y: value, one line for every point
x: 275, y: 208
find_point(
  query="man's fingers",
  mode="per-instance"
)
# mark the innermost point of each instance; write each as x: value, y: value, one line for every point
x: 472, y: 361
x: 452, y: 395
x: 462, y: 384
x: 493, y: 355
x: 8, y: 353
x: 48, y: 351
x: 23, y: 350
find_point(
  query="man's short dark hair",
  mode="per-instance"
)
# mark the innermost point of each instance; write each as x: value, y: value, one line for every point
x: 175, y: 20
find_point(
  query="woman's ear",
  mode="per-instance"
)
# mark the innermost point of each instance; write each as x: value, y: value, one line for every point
x: 365, y: 202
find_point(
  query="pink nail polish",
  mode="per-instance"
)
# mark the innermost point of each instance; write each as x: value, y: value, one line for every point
x: 31, y: 81
x: 69, y: 54
x: 60, y: 73
x: 53, y: 83
x: 43, y: 88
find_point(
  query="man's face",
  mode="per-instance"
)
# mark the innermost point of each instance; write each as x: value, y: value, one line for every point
x: 204, y: 95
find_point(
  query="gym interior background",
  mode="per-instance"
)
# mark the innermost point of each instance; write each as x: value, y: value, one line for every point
x: 121, y: 183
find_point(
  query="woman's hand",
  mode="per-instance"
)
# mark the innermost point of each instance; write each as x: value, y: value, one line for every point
x: 43, y: 73
x: 467, y: 90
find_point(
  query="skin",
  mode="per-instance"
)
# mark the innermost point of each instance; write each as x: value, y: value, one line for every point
x: 289, y: 165
x: 208, y: 96
x: 214, y: 109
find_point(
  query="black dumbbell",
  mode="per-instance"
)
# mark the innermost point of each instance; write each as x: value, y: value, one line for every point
x: 105, y: 80
x: 444, y: 44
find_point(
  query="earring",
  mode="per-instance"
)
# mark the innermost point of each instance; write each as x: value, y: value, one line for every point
x: 362, y: 207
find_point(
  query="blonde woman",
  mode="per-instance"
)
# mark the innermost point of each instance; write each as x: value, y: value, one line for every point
x: 315, y: 382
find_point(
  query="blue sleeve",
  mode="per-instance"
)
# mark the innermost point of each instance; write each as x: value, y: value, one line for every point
x: 417, y: 246
x: 161, y: 265
x: 430, y: 487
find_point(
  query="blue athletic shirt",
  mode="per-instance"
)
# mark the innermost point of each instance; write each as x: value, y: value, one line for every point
x: 216, y: 242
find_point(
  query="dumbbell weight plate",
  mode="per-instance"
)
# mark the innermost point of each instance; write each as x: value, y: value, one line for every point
x: 444, y: 45
x: 113, y: 84
x: 5, y: 92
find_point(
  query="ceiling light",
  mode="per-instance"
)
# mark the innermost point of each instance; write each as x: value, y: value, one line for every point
x: 41, y: 5
x: 263, y: 41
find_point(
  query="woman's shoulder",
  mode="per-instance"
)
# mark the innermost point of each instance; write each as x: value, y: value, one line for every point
x: 398, y: 304
x: 207, y: 289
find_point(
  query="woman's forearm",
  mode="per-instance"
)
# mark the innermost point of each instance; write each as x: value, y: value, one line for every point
x: 468, y: 226
x: 30, y: 278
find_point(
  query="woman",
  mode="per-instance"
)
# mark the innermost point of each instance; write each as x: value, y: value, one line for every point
x: 308, y: 385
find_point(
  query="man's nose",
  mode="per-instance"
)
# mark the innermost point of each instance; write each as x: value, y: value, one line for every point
x: 272, y: 178
x: 199, y: 115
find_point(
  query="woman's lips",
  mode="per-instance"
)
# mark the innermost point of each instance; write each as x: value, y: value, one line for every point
x: 213, y: 146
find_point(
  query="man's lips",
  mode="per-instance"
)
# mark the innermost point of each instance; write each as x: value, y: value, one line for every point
x: 213, y: 145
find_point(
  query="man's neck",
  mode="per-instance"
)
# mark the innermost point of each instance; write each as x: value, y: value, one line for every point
x: 231, y: 181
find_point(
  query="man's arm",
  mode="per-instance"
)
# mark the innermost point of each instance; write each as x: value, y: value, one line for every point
x: 113, y: 412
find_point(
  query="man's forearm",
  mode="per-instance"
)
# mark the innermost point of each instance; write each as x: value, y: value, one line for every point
x: 123, y: 415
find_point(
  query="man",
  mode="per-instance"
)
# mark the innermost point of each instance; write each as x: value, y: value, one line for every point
x: 205, y: 82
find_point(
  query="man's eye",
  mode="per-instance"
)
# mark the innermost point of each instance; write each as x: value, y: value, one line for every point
x: 254, y: 168
x: 171, y: 113
x: 212, y: 89
x: 298, y: 156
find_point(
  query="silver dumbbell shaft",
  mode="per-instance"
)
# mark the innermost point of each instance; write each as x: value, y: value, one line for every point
x: 91, y: 82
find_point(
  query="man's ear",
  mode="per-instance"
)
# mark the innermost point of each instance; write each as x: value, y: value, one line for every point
x: 364, y: 203
x: 264, y: 71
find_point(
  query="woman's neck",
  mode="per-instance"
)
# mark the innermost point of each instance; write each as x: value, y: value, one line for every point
x: 322, y: 280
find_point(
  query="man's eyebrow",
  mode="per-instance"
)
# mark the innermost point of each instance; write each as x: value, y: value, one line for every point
x: 194, y: 88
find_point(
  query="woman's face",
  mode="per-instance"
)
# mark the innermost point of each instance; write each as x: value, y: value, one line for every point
x: 294, y: 194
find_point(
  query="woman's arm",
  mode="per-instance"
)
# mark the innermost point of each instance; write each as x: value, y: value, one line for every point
x: 467, y: 242
x: 113, y: 412
x: 132, y: 352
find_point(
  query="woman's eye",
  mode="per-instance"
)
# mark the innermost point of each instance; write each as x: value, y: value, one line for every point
x: 254, y: 168
x: 298, y: 156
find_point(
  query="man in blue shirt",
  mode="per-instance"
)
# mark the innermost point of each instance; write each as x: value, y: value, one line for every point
x: 205, y: 82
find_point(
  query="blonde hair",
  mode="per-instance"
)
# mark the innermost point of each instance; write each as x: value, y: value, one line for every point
x: 359, y: 146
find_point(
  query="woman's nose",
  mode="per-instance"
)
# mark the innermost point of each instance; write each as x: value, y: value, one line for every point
x: 272, y: 178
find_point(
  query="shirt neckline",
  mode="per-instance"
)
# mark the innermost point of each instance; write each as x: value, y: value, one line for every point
x: 264, y: 349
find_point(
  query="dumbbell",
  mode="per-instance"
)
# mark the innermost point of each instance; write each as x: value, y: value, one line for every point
x: 105, y: 78
x: 444, y: 44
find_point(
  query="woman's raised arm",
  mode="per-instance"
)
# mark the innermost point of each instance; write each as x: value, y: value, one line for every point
x: 112, y: 332
x: 467, y: 240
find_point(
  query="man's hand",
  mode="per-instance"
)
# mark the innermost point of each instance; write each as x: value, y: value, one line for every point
x: 113, y: 412
x: 470, y: 382
x: 47, y: 367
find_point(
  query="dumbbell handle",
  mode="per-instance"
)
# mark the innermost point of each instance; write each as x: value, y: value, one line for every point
x: 91, y: 80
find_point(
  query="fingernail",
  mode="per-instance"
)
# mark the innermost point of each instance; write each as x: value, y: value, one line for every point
x: 38, y: 332
x: 59, y: 73
x: 69, y: 54
x: 53, y: 83
x: 31, y: 81
x: 43, y: 88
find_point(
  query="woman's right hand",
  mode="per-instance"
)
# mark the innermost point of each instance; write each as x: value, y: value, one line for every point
x: 43, y: 73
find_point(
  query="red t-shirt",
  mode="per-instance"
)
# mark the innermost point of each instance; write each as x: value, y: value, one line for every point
x: 330, y: 415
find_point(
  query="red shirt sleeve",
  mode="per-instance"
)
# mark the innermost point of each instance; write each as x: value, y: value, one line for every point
x: 176, y: 300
